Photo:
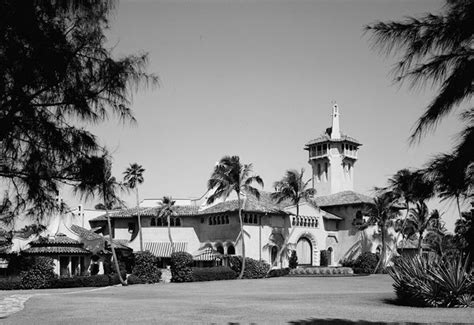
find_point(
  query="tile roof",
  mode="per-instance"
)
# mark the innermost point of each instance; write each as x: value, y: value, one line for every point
x: 343, y: 198
x: 181, y: 210
x: 59, y: 244
x: 325, y: 138
x: 249, y: 203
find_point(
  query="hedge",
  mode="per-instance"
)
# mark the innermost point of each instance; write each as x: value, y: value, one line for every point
x: 278, y: 272
x: 365, y: 263
x: 146, y: 267
x: 10, y: 284
x: 39, y: 275
x: 253, y: 269
x: 213, y: 273
x: 181, y: 267
x: 133, y: 279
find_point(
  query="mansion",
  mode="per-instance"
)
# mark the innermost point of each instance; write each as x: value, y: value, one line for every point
x: 209, y: 232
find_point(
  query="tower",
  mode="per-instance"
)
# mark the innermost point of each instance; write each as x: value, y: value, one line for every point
x: 332, y: 157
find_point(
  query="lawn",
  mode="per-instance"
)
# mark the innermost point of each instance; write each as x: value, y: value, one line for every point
x: 266, y: 301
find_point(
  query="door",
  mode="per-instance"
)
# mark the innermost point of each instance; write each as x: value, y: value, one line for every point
x: 304, y: 252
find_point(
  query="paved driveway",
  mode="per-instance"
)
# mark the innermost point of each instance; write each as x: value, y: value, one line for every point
x: 266, y: 301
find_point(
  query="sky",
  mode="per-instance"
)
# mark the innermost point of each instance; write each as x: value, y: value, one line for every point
x: 256, y: 79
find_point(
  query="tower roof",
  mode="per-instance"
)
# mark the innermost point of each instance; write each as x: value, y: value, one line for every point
x: 327, y: 138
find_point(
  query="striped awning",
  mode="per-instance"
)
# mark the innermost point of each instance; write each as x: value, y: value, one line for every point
x: 207, y: 254
x: 163, y: 249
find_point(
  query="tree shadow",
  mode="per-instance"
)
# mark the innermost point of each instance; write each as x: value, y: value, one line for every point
x: 332, y: 321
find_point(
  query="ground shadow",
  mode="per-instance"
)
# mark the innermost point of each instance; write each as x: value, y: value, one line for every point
x: 332, y: 321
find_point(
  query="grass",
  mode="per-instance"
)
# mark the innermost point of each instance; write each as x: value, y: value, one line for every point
x: 264, y: 301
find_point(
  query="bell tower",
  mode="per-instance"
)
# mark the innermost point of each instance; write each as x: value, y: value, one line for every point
x: 332, y: 157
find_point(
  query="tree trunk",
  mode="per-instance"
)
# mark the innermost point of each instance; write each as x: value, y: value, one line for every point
x: 139, y: 223
x: 403, y: 228
x: 381, y: 263
x: 459, y: 206
x: 420, y: 239
x: 241, y: 275
x: 285, y: 242
x: 117, y: 267
x: 169, y: 233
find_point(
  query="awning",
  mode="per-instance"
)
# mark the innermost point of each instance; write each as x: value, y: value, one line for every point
x: 163, y: 249
x: 207, y: 254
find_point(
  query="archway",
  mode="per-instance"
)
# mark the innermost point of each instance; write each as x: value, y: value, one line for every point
x: 304, y: 251
x: 231, y: 250
x: 330, y: 258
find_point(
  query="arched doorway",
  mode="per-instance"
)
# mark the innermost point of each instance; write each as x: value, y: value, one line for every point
x: 304, y: 251
x: 330, y: 252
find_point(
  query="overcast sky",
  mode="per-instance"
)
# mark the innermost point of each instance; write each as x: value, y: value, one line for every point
x: 256, y: 79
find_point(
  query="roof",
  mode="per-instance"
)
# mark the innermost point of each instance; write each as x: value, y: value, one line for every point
x: 249, y: 203
x: 325, y: 138
x: 180, y: 210
x: 330, y: 216
x: 164, y: 249
x: 343, y: 198
x: 59, y: 244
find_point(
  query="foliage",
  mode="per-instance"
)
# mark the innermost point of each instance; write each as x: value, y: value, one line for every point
x: 464, y: 235
x: 94, y: 268
x: 181, y: 267
x: 321, y: 271
x: 254, y: 269
x: 419, y: 220
x: 133, y: 279
x: 293, y: 261
x: 432, y: 283
x: 436, y: 49
x: 229, y: 175
x: 99, y: 280
x: 57, y: 76
x: 39, y: 275
x: 213, y: 273
x: 278, y: 272
x: 146, y: 268
x: 365, y: 263
x: 66, y: 282
x: 10, y: 284
x: 324, y: 258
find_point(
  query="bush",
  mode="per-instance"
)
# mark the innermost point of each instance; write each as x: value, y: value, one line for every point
x: 133, y: 279
x: 324, y: 258
x: 39, y: 275
x: 293, y: 261
x: 364, y: 264
x: 181, y: 267
x: 253, y: 269
x: 72, y: 282
x: 213, y: 273
x: 94, y: 269
x: 146, y: 267
x: 10, y: 284
x: 432, y: 283
x: 278, y: 272
x: 99, y: 280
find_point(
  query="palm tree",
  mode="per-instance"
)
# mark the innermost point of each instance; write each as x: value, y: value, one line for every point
x: 381, y: 214
x: 437, y: 49
x: 450, y: 178
x: 166, y: 210
x: 97, y: 180
x: 133, y: 176
x: 420, y: 219
x: 291, y: 187
x: 409, y: 187
x: 230, y: 175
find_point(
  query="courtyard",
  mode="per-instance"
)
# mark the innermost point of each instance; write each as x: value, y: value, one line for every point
x: 267, y: 301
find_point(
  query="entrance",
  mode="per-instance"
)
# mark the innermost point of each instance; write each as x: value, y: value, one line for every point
x: 304, y: 251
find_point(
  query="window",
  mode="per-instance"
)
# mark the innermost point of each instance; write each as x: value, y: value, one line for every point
x: 226, y: 219
x: 153, y: 222
x: 131, y: 227
x: 202, y: 219
x: 231, y: 250
x: 210, y: 221
x: 255, y: 219
x: 159, y: 222
x: 220, y: 249
x: 245, y: 218
x: 177, y: 222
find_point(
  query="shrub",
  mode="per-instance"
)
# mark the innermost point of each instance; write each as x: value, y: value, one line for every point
x: 213, y: 273
x: 324, y: 258
x: 366, y: 262
x: 94, y: 269
x: 10, y: 284
x: 66, y: 282
x: 181, y: 267
x: 278, y: 272
x: 146, y: 267
x: 133, y: 279
x: 39, y: 275
x: 432, y: 283
x: 99, y: 280
x: 253, y: 269
x: 293, y: 261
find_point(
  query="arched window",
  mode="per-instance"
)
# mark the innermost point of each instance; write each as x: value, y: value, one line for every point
x: 220, y: 249
x: 210, y: 221
x: 226, y: 219
x: 293, y: 222
x: 172, y: 222
x: 165, y: 222
x: 177, y: 222
x: 231, y: 250
x: 255, y: 219
x: 214, y: 220
x: 158, y: 222
x: 153, y: 222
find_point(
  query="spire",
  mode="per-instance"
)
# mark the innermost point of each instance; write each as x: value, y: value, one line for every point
x: 335, y: 132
